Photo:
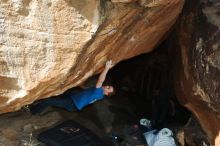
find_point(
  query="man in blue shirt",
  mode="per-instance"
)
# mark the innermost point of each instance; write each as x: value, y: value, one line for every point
x: 80, y: 100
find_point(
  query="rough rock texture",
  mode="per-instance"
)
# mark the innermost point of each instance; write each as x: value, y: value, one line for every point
x: 123, y: 1
x: 191, y: 134
x: 196, y: 51
x: 47, y: 47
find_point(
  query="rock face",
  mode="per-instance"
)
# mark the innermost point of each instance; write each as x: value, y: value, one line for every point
x: 197, y: 66
x: 47, y: 47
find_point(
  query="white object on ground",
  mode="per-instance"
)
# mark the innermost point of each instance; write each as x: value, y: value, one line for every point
x: 162, y: 138
x: 145, y: 122
x: 149, y: 137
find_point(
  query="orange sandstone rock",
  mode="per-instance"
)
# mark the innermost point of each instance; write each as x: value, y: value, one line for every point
x: 48, y: 47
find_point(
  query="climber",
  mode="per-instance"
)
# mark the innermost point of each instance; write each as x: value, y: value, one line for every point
x: 77, y: 101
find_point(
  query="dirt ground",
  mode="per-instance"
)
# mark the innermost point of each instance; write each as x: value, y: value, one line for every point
x: 111, y: 116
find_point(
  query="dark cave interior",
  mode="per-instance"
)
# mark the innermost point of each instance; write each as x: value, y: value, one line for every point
x: 140, y: 77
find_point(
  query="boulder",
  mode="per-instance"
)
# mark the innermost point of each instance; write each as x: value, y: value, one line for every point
x: 195, y: 53
x: 47, y: 47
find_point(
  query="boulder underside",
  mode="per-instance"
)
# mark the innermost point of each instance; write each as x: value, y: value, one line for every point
x: 47, y: 47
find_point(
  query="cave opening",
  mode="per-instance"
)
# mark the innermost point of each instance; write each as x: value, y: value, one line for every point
x: 140, y: 77
x: 135, y: 81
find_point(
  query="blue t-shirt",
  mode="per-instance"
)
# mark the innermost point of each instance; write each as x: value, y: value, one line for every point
x: 87, y: 97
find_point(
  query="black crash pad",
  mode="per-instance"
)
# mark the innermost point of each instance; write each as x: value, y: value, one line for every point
x: 70, y: 133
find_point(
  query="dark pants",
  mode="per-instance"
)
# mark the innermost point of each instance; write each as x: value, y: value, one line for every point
x: 63, y: 102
